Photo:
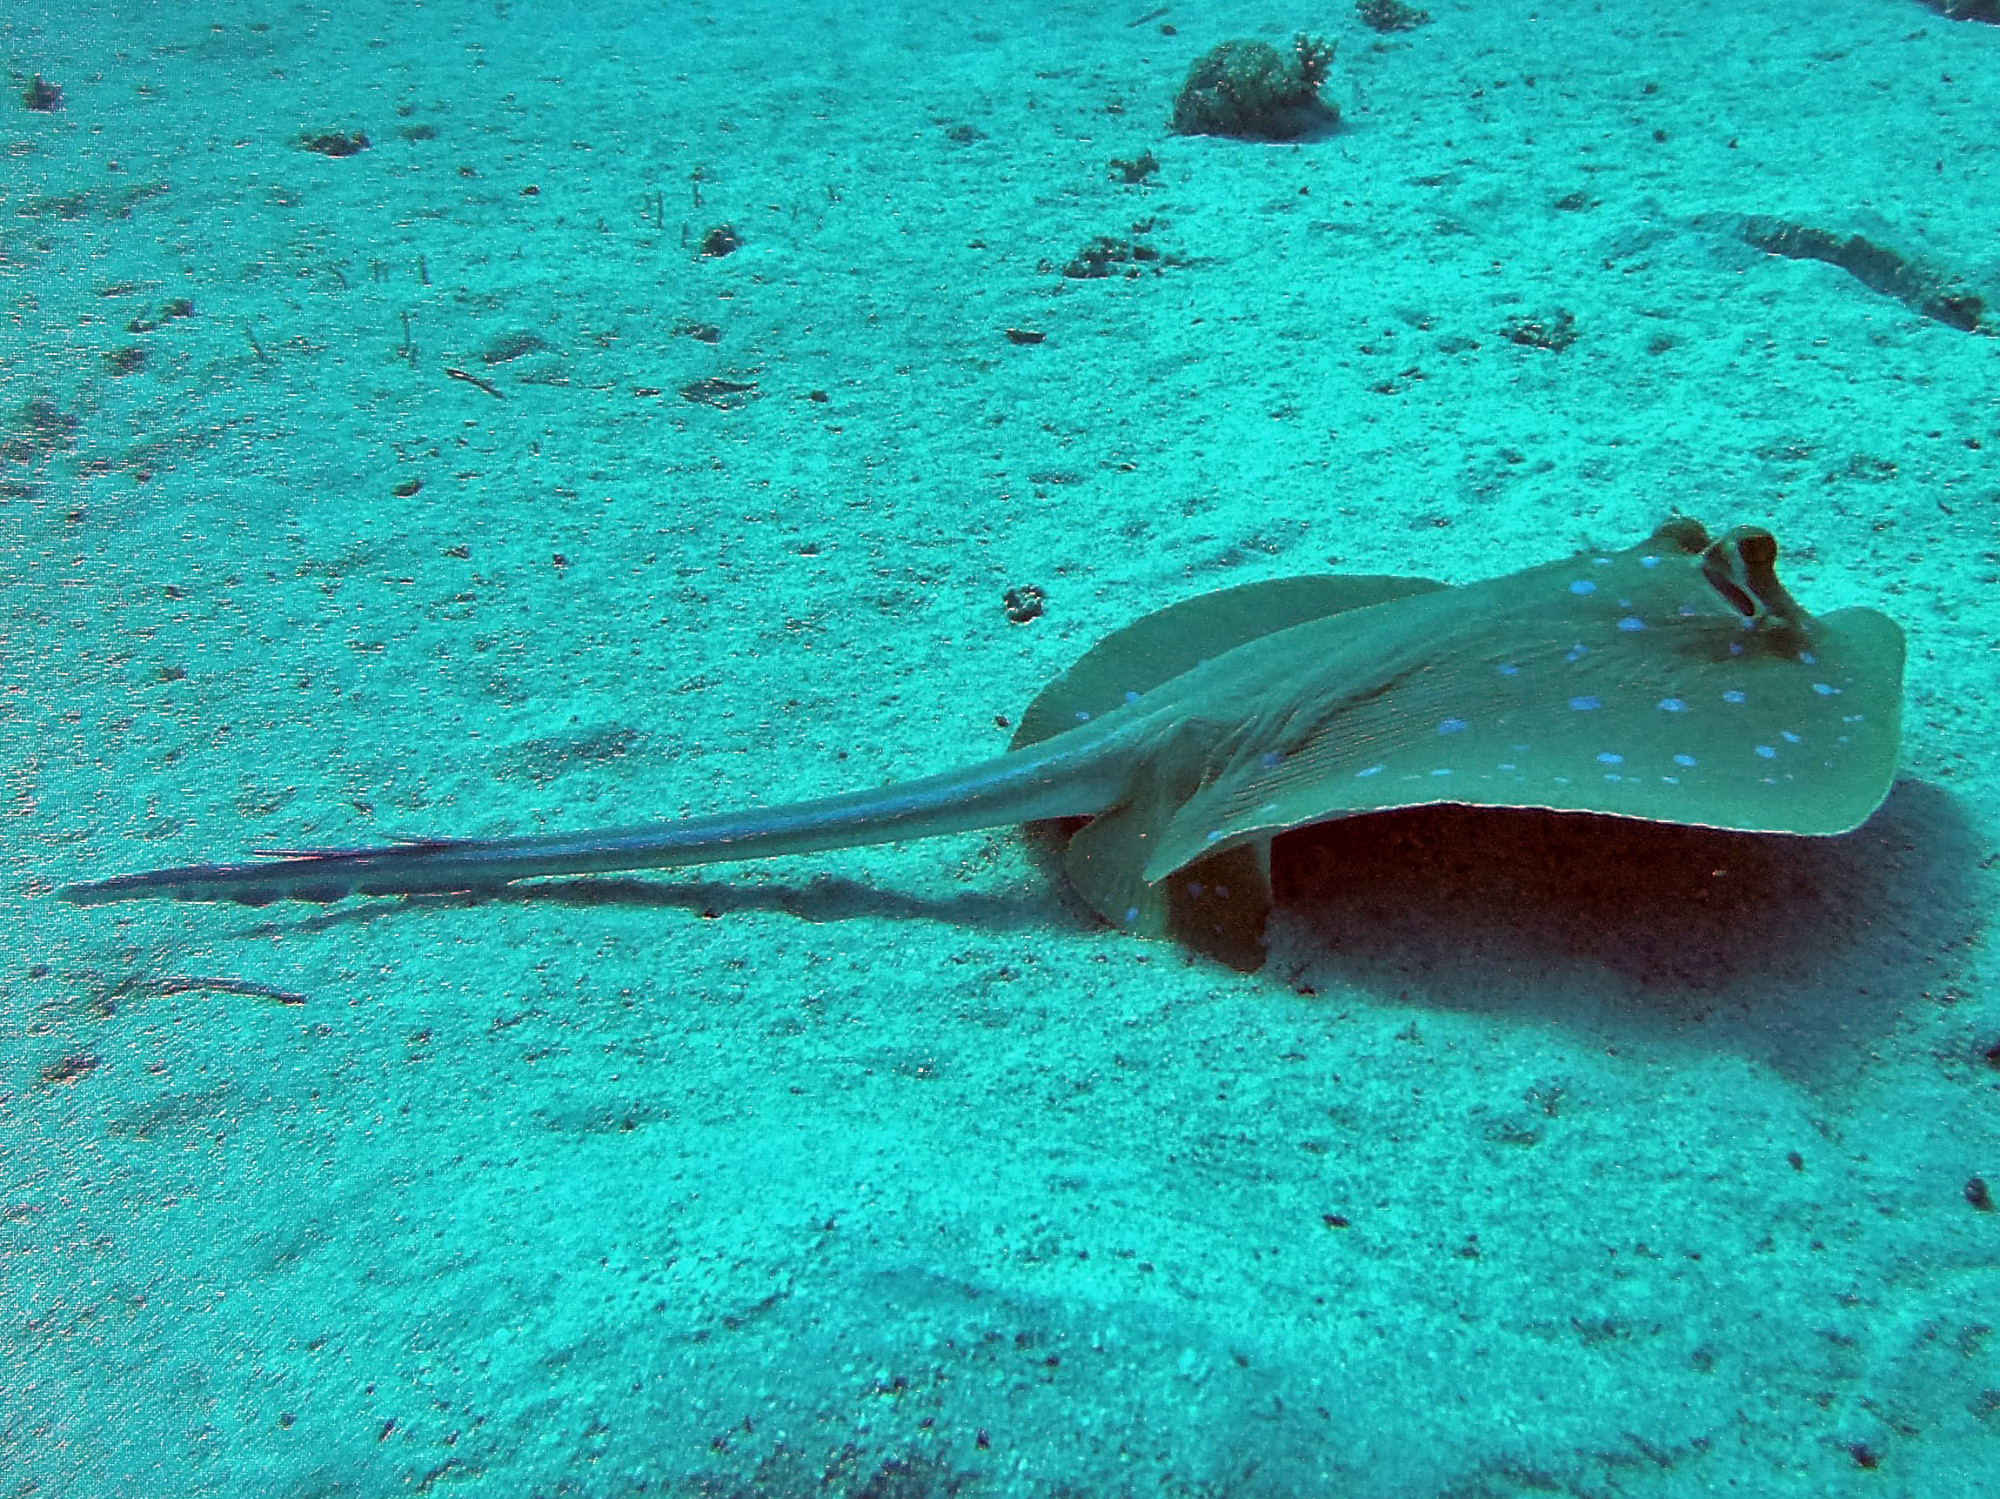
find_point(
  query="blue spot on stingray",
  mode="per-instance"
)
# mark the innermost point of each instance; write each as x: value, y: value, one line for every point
x: 1686, y: 762
x: 1214, y: 835
x: 1732, y: 696
x: 1735, y: 647
x: 1373, y: 770
x: 1270, y: 759
x: 1445, y: 771
x: 1600, y: 562
x: 1131, y: 914
x: 1510, y: 670
x: 1451, y: 726
x: 1631, y: 622
x: 1583, y: 585
x: 1673, y: 705
x: 1825, y: 689
x: 1584, y: 704
x: 1687, y: 611
x: 1606, y: 757
x: 1790, y: 737
x: 1765, y: 752
x: 1649, y: 562
x: 1082, y: 717
x: 1808, y: 658
x: 1131, y: 698
x: 1577, y: 652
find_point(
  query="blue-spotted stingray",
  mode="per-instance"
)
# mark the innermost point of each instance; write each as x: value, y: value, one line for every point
x: 1676, y: 681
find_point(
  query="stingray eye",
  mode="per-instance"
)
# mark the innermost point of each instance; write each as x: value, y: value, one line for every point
x: 1756, y: 549
x: 1742, y: 567
x: 1722, y: 565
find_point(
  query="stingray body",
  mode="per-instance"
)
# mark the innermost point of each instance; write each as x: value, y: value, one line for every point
x: 1675, y: 681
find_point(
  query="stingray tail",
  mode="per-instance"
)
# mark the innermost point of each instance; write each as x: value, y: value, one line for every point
x: 1074, y: 775
x: 435, y: 866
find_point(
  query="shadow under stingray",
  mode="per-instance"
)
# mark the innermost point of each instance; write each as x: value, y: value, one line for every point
x: 824, y: 898
x: 1802, y: 940
x: 1477, y: 908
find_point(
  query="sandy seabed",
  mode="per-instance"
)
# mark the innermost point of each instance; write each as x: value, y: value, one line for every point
x: 1542, y: 1156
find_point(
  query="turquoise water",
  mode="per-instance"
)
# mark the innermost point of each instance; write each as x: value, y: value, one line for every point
x: 1539, y: 1157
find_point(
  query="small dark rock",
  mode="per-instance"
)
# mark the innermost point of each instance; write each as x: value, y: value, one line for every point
x: 1554, y: 332
x: 1390, y: 15
x: 1024, y: 603
x: 1252, y: 91
x: 42, y: 96
x: 1097, y: 259
x: 1979, y: 1194
x: 127, y: 361
x: 333, y: 143
x: 721, y: 240
x: 1025, y: 335
x: 1138, y: 169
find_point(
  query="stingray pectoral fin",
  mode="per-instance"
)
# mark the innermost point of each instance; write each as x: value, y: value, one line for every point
x: 1216, y: 906
x: 1875, y: 718
x: 1106, y: 859
x: 1693, y: 720
x: 1833, y: 729
x: 1219, y: 905
x: 1130, y: 662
